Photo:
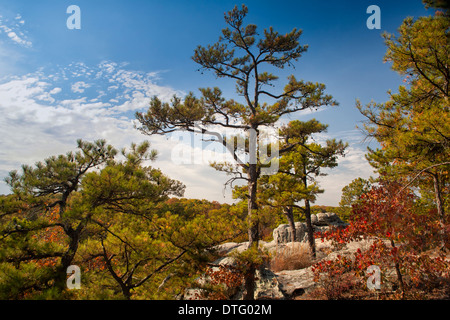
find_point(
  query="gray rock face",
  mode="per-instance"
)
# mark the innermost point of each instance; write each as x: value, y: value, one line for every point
x: 320, y: 222
x: 295, y: 282
x: 282, y: 234
x: 327, y: 219
x: 267, y: 286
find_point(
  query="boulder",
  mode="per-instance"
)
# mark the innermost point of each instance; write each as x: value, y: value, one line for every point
x: 226, y: 248
x: 286, y: 284
x: 295, y: 283
x: 320, y: 222
x: 282, y: 234
x: 327, y: 219
x: 267, y: 286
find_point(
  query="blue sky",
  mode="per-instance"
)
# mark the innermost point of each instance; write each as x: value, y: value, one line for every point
x: 57, y: 85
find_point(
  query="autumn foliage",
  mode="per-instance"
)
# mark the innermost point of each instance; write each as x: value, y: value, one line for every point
x: 116, y: 222
x: 405, y: 242
x: 224, y: 282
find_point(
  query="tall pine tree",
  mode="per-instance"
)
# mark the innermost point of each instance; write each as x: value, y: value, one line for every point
x: 413, y: 127
x: 243, y: 55
x: 296, y: 180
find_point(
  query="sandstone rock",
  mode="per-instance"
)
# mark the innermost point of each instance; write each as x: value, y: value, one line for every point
x: 322, y: 219
x: 313, y: 219
x: 286, y: 284
x: 267, y: 286
x: 321, y: 222
x: 296, y: 282
x: 282, y: 234
x: 271, y: 246
x: 327, y: 219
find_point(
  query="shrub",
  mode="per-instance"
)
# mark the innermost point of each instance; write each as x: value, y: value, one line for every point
x: 406, y: 235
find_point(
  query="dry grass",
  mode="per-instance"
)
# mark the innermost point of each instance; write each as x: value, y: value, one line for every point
x: 293, y: 256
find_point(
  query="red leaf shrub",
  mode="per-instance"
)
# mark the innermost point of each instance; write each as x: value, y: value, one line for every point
x: 406, y: 246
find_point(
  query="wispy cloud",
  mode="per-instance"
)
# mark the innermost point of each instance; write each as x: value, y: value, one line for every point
x: 42, y: 115
x: 13, y: 29
x: 44, y: 112
x: 78, y: 87
x: 76, y: 91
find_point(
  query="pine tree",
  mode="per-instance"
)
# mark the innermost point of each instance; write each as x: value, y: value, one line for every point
x: 351, y: 195
x: 299, y: 169
x: 413, y: 127
x: 56, y: 204
x: 240, y: 56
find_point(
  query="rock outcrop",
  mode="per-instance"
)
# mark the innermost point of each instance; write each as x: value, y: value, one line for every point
x: 267, y: 286
x: 329, y: 219
x: 294, y: 283
x: 286, y: 284
x: 320, y: 222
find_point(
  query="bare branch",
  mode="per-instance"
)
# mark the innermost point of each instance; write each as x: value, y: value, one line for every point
x: 422, y: 171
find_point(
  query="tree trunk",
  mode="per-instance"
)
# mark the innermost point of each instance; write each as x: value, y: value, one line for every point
x: 398, y: 272
x: 66, y: 259
x: 253, y: 225
x: 252, y: 174
x: 253, y: 231
x: 437, y: 194
x: 253, y: 220
x: 310, y: 229
x: 440, y: 208
x: 289, y: 213
x: 126, y: 291
x: 68, y: 256
x: 249, y: 282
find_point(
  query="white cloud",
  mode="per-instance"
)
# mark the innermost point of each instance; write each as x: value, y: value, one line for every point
x: 80, y: 86
x: 107, y: 66
x: 13, y: 30
x: 14, y: 37
x: 40, y: 118
x: 55, y: 91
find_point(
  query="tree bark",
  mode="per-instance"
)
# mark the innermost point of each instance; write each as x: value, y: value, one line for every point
x: 440, y: 208
x: 253, y: 175
x: 310, y: 229
x: 399, y: 273
x: 253, y: 221
x: 288, y: 212
x: 253, y: 227
x: 253, y: 231
x: 437, y: 193
x: 249, y: 283
x: 74, y: 236
x: 67, y: 258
